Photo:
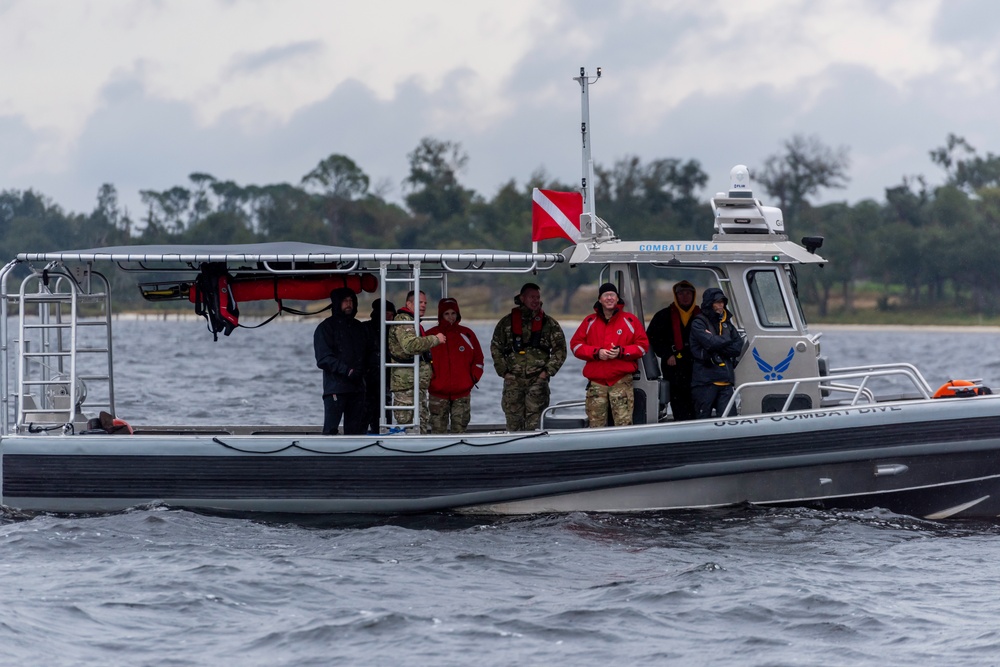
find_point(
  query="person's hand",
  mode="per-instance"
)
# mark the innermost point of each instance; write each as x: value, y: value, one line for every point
x: 440, y: 337
x: 543, y: 375
x: 509, y: 376
x: 671, y: 360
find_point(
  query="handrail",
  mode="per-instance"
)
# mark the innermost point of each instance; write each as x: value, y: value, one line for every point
x: 559, y: 406
x: 831, y: 382
x: 897, y: 365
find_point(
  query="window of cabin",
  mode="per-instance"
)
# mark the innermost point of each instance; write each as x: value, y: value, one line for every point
x: 768, y: 300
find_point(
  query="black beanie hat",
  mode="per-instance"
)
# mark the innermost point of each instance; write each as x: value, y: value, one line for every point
x: 606, y: 287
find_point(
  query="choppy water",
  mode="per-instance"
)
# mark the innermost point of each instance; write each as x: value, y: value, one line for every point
x: 157, y: 586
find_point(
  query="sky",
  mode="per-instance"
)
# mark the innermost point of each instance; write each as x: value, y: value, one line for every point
x: 142, y: 93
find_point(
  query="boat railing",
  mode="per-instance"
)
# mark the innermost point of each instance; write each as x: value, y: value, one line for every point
x: 835, y: 382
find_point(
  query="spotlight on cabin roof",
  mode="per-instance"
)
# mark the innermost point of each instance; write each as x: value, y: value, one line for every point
x: 738, y: 212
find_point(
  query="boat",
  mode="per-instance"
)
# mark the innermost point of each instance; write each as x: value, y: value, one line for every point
x: 798, y: 432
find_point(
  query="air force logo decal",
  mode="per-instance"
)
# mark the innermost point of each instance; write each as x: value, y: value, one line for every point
x: 773, y: 372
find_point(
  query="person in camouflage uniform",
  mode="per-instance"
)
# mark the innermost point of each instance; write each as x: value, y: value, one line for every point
x: 404, y: 345
x: 528, y: 348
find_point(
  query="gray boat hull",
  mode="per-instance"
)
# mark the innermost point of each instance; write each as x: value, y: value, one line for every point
x: 937, y: 459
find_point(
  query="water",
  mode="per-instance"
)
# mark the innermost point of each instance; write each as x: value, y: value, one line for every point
x: 745, y: 586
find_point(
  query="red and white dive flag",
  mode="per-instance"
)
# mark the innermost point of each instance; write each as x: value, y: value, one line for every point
x: 556, y: 215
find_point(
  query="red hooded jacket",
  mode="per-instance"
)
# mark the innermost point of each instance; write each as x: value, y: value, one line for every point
x: 458, y: 364
x: 622, y: 329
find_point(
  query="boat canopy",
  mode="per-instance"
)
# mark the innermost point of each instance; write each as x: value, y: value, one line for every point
x: 287, y: 252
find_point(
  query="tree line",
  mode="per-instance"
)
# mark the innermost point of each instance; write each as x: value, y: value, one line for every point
x: 925, y: 245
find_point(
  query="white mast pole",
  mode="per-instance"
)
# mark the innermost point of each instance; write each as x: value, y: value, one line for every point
x: 587, y: 181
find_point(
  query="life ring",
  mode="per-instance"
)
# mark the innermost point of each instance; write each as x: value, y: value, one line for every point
x: 961, y: 389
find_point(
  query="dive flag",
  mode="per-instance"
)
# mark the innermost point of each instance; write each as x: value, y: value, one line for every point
x: 556, y: 215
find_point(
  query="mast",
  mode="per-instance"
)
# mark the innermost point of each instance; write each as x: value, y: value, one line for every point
x: 589, y: 218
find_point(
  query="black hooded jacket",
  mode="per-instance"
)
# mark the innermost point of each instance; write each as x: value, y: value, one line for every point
x: 342, y: 349
x: 715, y: 342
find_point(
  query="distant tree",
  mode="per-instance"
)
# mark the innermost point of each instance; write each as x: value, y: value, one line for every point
x: 107, y: 204
x: 201, y: 205
x: 646, y: 200
x: 166, y: 209
x: 32, y: 220
x: 433, y: 180
x: 340, y: 197
x: 338, y: 176
x: 286, y: 213
x: 964, y: 167
x: 220, y: 227
x: 848, y: 231
x: 803, y: 168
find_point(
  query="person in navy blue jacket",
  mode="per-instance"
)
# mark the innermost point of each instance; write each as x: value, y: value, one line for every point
x: 716, y: 345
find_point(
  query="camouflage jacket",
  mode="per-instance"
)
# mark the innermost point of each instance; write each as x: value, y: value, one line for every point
x: 525, y: 359
x: 404, y: 344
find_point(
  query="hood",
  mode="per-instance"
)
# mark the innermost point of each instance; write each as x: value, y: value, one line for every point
x: 686, y: 285
x: 378, y: 311
x: 338, y: 295
x: 713, y: 294
x: 448, y: 304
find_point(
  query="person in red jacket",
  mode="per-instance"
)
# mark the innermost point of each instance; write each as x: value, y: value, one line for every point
x: 458, y: 365
x: 611, y: 341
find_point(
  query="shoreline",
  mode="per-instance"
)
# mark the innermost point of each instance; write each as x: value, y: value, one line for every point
x: 178, y: 316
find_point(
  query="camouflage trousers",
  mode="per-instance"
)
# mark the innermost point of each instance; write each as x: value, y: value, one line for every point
x: 458, y: 411
x: 523, y: 401
x: 404, y: 417
x: 618, y: 397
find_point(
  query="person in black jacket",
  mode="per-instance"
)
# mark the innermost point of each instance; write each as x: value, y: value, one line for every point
x: 715, y: 344
x: 373, y: 329
x: 669, y: 333
x: 343, y: 352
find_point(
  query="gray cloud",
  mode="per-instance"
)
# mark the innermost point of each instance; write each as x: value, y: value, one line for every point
x: 18, y: 142
x: 251, y: 63
x: 968, y: 22
x: 137, y: 141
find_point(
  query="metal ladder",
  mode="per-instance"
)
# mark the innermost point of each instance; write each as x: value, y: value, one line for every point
x: 57, y: 309
x: 413, y: 280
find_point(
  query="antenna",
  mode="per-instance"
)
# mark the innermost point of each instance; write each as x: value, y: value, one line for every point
x: 587, y: 181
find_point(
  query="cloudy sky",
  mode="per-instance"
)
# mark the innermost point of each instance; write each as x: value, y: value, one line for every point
x: 141, y: 93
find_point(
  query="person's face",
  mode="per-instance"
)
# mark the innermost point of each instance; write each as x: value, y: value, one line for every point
x: 450, y: 316
x: 532, y: 299
x: 347, y: 306
x: 423, y: 304
x: 389, y: 314
x: 719, y: 306
x: 684, y: 298
x: 609, y: 300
